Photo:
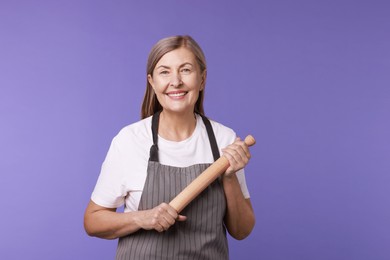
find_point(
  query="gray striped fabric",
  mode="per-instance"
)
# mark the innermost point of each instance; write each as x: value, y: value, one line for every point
x: 201, y: 236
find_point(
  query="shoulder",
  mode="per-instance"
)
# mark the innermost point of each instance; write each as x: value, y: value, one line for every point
x: 135, y: 133
x: 224, y: 134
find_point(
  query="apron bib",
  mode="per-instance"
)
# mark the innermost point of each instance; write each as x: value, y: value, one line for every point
x: 202, y: 235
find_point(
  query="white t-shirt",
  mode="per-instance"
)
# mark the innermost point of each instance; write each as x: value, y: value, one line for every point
x: 124, y: 169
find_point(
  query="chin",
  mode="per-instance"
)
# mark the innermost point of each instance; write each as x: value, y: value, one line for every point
x: 180, y: 110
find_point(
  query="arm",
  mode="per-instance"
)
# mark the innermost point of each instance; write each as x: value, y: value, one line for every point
x: 240, y: 218
x: 107, y: 223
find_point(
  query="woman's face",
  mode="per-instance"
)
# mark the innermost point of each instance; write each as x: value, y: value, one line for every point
x: 177, y: 80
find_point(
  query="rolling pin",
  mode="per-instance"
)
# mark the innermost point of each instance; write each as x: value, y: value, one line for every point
x: 203, y: 180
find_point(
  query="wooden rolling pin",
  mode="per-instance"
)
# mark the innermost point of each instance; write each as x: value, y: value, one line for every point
x: 203, y: 180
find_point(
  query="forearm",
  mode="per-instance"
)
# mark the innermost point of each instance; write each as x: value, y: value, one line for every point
x: 108, y: 224
x: 239, y: 218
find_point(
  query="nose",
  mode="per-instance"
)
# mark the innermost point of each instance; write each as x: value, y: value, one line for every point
x: 175, y: 80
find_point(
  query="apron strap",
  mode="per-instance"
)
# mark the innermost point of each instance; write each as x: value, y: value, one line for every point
x: 153, y: 156
x: 213, y: 141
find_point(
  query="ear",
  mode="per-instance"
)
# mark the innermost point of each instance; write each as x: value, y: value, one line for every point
x: 150, y: 80
x: 203, y: 82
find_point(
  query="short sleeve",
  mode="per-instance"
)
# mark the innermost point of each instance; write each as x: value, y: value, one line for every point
x: 109, y: 190
x: 241, y: 180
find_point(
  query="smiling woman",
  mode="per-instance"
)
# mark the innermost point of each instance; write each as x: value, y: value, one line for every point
x: 177, y: 81
x: 164, y: 46
x: 151, y: 161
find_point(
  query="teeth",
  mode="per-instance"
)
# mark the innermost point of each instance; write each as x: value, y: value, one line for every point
x: 177, y: 94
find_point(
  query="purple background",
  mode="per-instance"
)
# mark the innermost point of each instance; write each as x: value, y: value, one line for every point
x: 309, y: 79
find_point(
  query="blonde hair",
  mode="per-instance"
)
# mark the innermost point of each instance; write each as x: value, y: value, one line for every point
x: 150, y: 104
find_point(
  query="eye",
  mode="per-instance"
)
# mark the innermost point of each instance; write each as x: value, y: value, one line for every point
x: 185, y: 70
x: 164, y: 72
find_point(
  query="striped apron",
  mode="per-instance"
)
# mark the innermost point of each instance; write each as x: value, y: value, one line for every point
x: 202, y: 235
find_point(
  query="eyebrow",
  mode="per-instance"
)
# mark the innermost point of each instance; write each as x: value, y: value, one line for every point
x: 182, y: 65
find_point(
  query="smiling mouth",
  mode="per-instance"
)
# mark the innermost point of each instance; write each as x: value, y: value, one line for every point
x: 177, y: 94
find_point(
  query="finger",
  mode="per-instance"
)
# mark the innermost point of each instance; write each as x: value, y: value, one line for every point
x: 236, y: 156
x: 172, y: 213
x: 237, y: 153
x: 232, y: 162
x: 181, y: 218
x: 168, y: 220
x: 240, y: 151
x: 240, y: 143
x: 164, y: 223
x: 246, y: 150
x: 242, y: 155
x: 229, y: 154
x: 160, y: 228
x: 165, y: 217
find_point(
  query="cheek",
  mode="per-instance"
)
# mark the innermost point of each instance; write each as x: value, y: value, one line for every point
x: 195, y: 83
x: 159, y: 85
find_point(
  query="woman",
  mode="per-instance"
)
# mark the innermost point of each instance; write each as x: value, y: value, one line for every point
x: 151, y: 161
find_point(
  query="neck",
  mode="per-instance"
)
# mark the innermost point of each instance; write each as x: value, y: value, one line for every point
x: 176, y: 127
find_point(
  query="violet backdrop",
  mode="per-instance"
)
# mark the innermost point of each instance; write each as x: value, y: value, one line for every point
x: 309, y: 79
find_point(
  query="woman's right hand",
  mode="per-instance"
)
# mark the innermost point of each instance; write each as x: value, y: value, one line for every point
x: 106, y: 223
x: 160, y: 218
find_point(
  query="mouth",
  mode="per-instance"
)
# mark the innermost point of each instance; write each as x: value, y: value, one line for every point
x: 176, y: 94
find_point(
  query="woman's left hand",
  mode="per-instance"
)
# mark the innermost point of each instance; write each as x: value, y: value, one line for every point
x: 238, y: 155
